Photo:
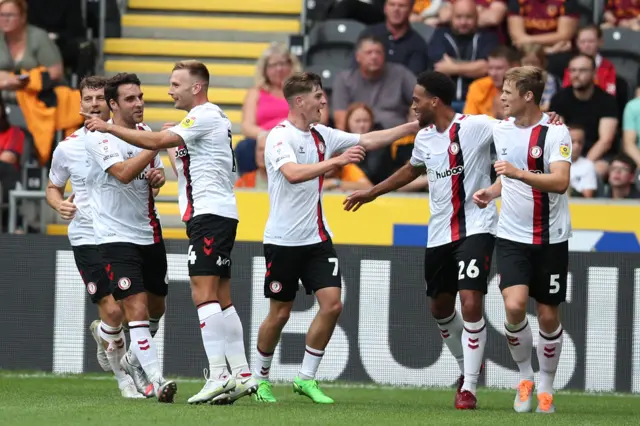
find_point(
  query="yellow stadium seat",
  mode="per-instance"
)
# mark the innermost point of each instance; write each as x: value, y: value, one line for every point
x: 218, y: 23
x: 163, y: 67
x: 180, y: 48
x: 293, y: 7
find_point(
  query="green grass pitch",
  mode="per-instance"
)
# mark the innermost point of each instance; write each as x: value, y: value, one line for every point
x: 46, y: 400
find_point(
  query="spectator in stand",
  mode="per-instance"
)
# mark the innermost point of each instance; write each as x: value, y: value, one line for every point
x: 584, y: 180
x: 622, y: 175
x: 589, y: 42
x: 426, y: 11
x: 386, y: 87
x: 460, y: 50
x: 401, y: 43
x: 533, y: 55
x: 256, y: 179
x: 484, y: 93
x: 24, y: 47
x: 264, y: 105
x: 622, y: 13
x: 551, y: 23
x: 491, y: 15
x: 11, y: 148
x: 62, y: 19
x: 589, y: 106
x: 631, y: 130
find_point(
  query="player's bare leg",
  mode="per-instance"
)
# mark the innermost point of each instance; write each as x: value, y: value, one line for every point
x: 143, y: 346
x: 234, y: 349
x: 129, y: 362
x: 520, y: 340
x: 109, y: 312
x: 204, y: 292
x: 548, y: 350
x: 318, y: 337
x: 268, y: 338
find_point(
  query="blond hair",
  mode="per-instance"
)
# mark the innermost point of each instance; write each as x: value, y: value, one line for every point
x: 279, y: 49
x: 536, y: 50
x: 195, y: 68
x: 528, y: 79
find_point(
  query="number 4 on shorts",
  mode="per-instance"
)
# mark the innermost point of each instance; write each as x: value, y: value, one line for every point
x: 191, y: 255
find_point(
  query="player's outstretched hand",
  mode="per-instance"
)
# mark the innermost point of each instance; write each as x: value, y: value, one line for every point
x: 166, y: 126
x: 94, y: 123
x: 505, y: 168
x: 66, y: 209
x: 355, y: 154
x: 354, y: 201
x: 156, y: 178
x: 482, y: 198
x: 555, y: 118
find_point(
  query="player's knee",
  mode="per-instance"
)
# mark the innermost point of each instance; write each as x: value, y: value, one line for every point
x: 110, y: 311
x: 332, y: 309
x: 516, y: 309
x: 471, y: 304
x: 548, y: 318
x: 281, y: 317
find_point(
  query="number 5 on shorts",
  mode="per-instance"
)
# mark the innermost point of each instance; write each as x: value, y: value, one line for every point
x: 334, y: 260
x: 554, y: 285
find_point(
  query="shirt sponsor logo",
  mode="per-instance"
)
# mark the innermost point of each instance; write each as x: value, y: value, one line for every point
x: 187, y: 122
x: 181, y: 152
x: 107, y: 157
x: 434, y: 175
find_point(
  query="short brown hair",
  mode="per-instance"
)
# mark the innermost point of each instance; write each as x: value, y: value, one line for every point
x: 195, y: 68
x: 93, y: 82
x: 20, y: 4
x: 300, y: 83
x: 528, y: 79
x: 509, y: 54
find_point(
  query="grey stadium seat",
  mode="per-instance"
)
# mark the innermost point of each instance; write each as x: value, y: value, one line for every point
x: 332, y: 42
x: 425, y: 31
x: 622, y: 47
x: 327, y: 72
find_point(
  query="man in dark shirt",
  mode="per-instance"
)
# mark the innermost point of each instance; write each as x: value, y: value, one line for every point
x: 402, y: 44
x: 460, y: 50
x: 595, y: 110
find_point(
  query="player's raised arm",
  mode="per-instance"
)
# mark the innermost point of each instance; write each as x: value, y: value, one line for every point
x: 298, y: 173
x: 558, y: 178
x: 140, y: 138
x: 381, y: 138
x: 102, y: 150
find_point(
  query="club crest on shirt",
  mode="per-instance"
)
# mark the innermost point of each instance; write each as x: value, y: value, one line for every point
x: 321, y: 147
x: 535, y: 152
x: 564, y: 150
x: 275, y: 287
x: 454, y: 148
x: 187, y: 122
x: 92, y: 288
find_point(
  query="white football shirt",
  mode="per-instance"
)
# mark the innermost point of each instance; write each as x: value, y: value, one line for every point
x: 296, y: 217
x: 528, y: 215
x: 583, y: 175
x: 458, y: 163
x: 70, y: 162
x: 206, y: 164
x: 122, y: 213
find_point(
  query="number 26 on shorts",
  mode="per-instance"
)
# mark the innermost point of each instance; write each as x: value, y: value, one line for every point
x: 472, y: 270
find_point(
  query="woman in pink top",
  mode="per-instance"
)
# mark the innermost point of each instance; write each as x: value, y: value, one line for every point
x: 264, y: 106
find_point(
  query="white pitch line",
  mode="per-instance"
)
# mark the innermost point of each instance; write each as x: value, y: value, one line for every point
x: 43, y: 375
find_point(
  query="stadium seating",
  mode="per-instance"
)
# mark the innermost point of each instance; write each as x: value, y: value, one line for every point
x: 622, y: 47
x: 328, y: 74
x: 331, y: 43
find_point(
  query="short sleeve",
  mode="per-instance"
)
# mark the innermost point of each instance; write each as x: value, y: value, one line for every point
x: 59, y: 172
x: 481, y: 129
x: 103, y: 150
x: 46, y: 51
x: 196, y: 125
x: 513, y: 6
x: 560, y: 144
x: 277, y: 151
x: 157, y: 162
x: 340, y: 94
x: 337, y: 140
x: 589, y: 180
x: 417, y: 154
x: 631, y: 114
x: 609, y: 106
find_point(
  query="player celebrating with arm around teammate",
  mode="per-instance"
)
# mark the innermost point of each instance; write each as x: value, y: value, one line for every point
x: 128, y: 230
x: 206, y: 175
x: 70, y: 162
x: 455, y: 151
x: 297, y: 239
x: 532, y: 251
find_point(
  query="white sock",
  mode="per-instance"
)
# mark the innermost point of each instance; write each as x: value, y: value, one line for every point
x: 213, y: 339
x: 234, y: 342
x: 451, y: 332
x: 549, y: 349
x: 520, y: 343
x: 116, y: 339
x: 264, y: 362
x: 154, y: 325
x: 474, y: 339
x: 143, y: 346
x: 310, y: 363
